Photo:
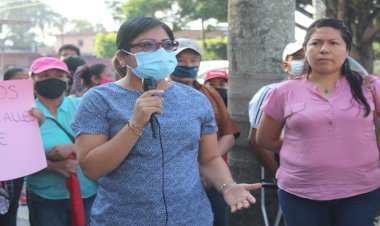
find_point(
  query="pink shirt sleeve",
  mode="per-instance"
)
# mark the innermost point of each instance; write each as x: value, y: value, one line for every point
x: 376, y: 85
x: 274, y: 106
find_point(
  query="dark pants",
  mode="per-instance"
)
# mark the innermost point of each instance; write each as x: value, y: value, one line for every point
x: 219, y: 207
x: 358, y: 210
x: 10, y: 218
x: 47, y: 212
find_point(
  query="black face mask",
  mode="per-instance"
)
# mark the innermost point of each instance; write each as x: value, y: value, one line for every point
x: 223, y: 94
x: 50, y: 88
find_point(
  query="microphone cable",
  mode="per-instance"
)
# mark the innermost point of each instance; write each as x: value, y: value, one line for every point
x: 162, y: 171
x: 151, y: 84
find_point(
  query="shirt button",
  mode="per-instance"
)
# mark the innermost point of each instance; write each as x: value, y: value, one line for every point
x: 330, y: 123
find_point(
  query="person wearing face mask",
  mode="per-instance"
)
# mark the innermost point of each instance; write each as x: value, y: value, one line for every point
x: 48, y: 197
x: 189, y: 57
x: 89, y: 76
x: 147, y: 180
x: 329, y: 159
x: 293, y: 60
x: 219, y: 80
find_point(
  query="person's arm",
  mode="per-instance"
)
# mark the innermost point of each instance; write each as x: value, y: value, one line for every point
x: 63, y: 167
x: 268, y: 134
x: 266, y: 157
x: 237, y: 196
x: 225, y: 143
x: 227, y: 129
x: 99, y: 156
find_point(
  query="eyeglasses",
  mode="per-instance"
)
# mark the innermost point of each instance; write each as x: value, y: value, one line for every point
x: 151, y: 45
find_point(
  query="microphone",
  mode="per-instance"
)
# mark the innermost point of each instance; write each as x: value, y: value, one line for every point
x: 150, y: 84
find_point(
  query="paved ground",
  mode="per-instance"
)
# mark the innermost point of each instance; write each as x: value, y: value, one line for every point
x: 22, y: 216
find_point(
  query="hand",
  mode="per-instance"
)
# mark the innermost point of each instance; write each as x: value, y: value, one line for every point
x: 145, y: 106
x: 238, y: 196
x: 38, y: 114
x: 63, y: 167
x: 60, y: 152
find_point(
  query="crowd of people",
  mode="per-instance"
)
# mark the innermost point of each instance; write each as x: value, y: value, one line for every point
x: 151, y: 147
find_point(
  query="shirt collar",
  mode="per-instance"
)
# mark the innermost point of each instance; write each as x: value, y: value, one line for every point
x: 62, y: 107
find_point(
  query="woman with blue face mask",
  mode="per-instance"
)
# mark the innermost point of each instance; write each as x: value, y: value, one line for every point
x: 145, y: 179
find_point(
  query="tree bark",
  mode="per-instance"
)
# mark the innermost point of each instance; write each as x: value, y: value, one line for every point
x: 341, y: 9
x: 258, y: 33
x: 363, y: 18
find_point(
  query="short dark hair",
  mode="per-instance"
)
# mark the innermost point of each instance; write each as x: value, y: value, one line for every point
x: 69, y: 46
x: 132, y: 28
x: 8, y: 75
x: 73, y: 62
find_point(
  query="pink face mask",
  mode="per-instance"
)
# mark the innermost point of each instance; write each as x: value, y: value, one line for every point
x: 106, y: 80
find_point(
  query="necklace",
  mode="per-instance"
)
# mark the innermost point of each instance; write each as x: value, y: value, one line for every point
x: 326, y: 90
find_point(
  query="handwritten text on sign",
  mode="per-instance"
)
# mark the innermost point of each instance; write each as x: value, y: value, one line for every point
x: 21, y: 150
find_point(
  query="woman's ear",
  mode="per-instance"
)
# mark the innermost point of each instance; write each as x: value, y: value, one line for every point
x: 121, y: 58
x: 95, y: 80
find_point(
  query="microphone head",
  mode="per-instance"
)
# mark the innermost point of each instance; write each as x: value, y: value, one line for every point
x: 149, y: 84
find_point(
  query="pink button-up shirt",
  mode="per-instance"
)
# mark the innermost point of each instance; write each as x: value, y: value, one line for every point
x: 329, y: 149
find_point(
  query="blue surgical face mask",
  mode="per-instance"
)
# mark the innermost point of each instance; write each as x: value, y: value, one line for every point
x: 297, y: 68
x: 186, y: 72
x: 158, y: 64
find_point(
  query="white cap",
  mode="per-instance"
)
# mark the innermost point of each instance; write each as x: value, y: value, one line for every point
x: 290, y: 49
x: 186, y: 43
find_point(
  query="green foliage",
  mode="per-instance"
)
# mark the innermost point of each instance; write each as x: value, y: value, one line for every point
x: 178, y: 12
x: 105, y: 45
x: 29, y: 15
x: 137, y: 8
x: 216, y: 49
x: 82, y: 26
x: 201, y: 9
x: 376, y: 49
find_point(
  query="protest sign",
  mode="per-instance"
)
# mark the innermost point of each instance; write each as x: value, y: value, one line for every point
x: 21, y: 149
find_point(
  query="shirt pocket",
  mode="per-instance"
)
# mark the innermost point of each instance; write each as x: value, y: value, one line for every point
x: 294, y: 109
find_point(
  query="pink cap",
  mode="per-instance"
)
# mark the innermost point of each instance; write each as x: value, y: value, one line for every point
x: 45, y: 63
x: 216, y: 74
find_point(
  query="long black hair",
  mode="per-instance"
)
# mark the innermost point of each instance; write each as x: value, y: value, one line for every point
x: 129, y: 30
x: 354, y: 79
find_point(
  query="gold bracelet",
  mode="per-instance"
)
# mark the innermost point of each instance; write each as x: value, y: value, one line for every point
x: 134, y: 126
x: 225, y: 185
x: 136, y: 130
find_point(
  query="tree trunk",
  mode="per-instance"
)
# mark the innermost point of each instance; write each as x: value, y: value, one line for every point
x: 258, y: 33
x: 364, y: 54
x: 341, y: 10
x: 203, y: 35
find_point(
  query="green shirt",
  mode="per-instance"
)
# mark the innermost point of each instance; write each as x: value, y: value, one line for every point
x: 50, y: 184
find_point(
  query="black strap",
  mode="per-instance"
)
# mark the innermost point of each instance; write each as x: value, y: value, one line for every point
x: 64, y: 130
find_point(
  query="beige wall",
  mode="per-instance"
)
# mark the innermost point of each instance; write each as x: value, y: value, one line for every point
x: 84, y: 41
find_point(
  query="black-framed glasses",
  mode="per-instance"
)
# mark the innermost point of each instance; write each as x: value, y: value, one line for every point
x: 151, y: 45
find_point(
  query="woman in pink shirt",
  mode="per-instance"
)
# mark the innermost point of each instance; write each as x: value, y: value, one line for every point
x: 329, y: 174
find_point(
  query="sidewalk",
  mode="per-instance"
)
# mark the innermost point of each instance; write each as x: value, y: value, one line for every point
x: 22, y: 216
